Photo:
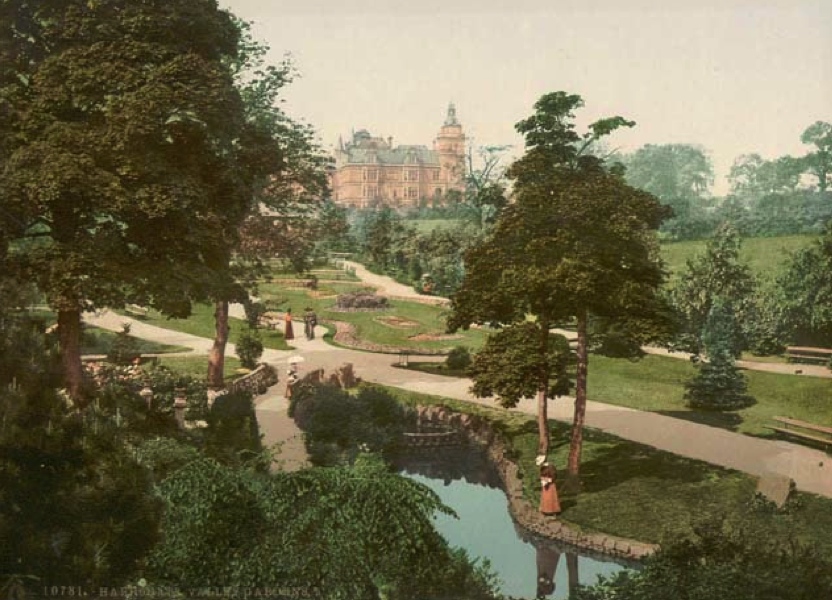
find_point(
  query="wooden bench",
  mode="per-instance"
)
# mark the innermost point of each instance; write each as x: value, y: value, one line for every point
x: 136, y: 310
x: 802, y: 430
x: 808, y: 355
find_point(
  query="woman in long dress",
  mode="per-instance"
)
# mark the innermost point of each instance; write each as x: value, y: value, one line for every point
x: 288, y: 333
x: 549, y: 501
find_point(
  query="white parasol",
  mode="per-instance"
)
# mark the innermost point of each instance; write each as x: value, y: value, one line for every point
x: 293, y: 360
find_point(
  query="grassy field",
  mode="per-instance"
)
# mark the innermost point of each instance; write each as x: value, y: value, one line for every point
x: 656, y: 384
x: 197, y: 366
x: 401, y: 326
x: 201, y: 323
x: 99, y: 341
x: 636, y: 491
x: 765, y: 256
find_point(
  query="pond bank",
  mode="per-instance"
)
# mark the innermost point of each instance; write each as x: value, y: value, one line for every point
x: 479, y: 431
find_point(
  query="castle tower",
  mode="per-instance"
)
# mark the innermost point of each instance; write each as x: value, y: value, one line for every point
x: 450, y: 146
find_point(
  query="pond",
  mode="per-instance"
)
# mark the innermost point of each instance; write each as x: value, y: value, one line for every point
x: 464, y: 480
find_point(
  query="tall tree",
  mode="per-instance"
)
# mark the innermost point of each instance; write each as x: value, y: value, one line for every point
x: 751, y: 176
x: 819, y: 162
x: 485, y: 185
x: 718, y: 273
x: 718, y: 383
x: 285, y: 168
x: 576, y: 240
x: 517, y: 362
x: 123, y: 169
x: 805, y: 294
x: 680, y: 175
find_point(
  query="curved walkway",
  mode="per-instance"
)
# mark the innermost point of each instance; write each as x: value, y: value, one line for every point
x: 811, y: 469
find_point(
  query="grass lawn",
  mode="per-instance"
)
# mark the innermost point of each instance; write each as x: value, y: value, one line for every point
x: 656, y: 384
x: 380, y: 327
x: 197, y: 366
x: 765, y: 255
x: 328, y: 274
x: 638, y: 492
x: 201, y: 323
x: 99, y: 341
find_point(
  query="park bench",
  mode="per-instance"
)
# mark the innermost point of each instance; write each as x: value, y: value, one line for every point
x: 808, y: 355
x: 803, y: 430
x: 136, y: 310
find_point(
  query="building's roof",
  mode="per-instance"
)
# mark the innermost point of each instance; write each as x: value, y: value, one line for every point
x: 400, y: 155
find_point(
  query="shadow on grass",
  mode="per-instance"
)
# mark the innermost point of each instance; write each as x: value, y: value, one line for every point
x: 609, y: 463
x: 723, y: 420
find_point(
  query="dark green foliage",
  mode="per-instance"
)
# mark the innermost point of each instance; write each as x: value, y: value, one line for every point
x: 338, y: 424
x: 254, y: 310
x: 75, y: 507
x: 358, y: 533
x: 118, y: 396
x: 679, y: 175
x: 616, y: 340
x: 717, y: 273
x: 459, y: 358
x: 805, y: 295
x: 124, y: 349
x: 233, y: 435
x: 719, y: 384
x: 249, y: 348
x: 512, y: 365
x: 726, y: 561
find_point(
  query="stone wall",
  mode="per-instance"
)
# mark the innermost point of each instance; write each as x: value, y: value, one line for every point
x: 256, y: 382
x: 525, y: 513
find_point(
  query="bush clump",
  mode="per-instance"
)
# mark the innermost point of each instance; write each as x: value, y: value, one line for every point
x: 361, y: 299
x: 249, y: 348
x: 459, y: 359
x: 338, y: 425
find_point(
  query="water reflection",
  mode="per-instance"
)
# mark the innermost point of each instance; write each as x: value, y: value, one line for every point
x: 529, y: 567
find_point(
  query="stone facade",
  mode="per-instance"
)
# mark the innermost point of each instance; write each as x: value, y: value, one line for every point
x: 369, y: 171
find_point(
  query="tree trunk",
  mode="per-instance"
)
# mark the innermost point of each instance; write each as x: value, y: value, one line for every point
x: 576, y: 441
x: 542, y: 423
x: 216, y: 357
x: 69, y: 336
x: 572, y: 570
x: 542, y: 401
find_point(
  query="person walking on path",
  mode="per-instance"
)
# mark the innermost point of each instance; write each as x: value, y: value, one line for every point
x: 288, y: 332
x: 310, y: 319
x: 549, y: 501
x: 291, y: 380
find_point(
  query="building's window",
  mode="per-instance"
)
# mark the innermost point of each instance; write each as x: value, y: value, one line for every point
x: 372, y: 175
x: 436, y: 175
x: 412, y: 192
x: 437, y: 192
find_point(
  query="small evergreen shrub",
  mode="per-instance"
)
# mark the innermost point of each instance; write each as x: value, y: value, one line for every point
x: 459, y: 359
x: 249, y: 348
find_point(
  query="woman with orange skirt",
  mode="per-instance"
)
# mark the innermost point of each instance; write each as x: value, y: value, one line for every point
x: 288, y: 332
x: 549, y: 501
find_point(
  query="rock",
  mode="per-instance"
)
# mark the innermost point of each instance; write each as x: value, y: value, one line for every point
x: 775, y: 488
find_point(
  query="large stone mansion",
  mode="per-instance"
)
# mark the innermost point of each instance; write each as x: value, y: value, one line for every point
x: 370, y: 171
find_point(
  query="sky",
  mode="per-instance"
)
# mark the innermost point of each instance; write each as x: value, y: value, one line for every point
x: 734, y: 76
